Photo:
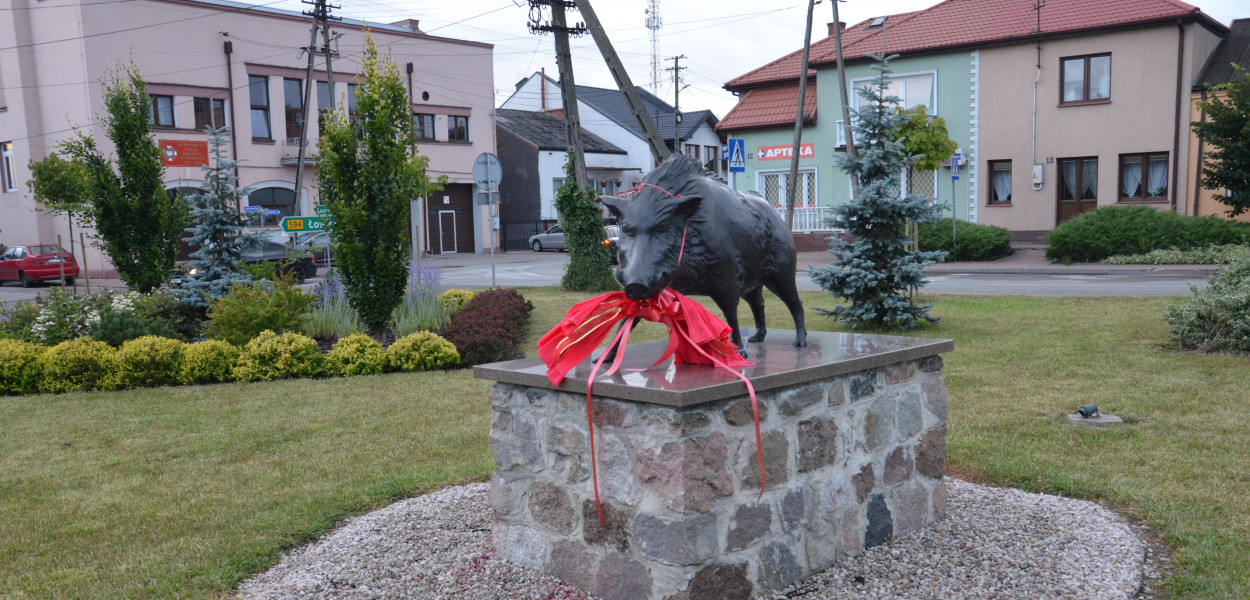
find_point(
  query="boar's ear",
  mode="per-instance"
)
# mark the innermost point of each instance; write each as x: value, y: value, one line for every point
x: 687, y: 206
x: 615, y: 205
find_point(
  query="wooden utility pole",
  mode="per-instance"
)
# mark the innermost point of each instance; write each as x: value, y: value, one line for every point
x: 676, y: 69
x: 321, y: 18
x: 329, y: 52
x: 649, y: 129
x: 798, y: 119
x: 568, y: 88
x: 846, y: 107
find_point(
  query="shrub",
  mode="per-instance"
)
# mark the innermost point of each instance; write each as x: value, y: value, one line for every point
x: 1113, y: 230
x: 16, y: 320
x: 356, y: 354
x: 249, y: 309
x: 454, y: 300
x: 20, y: 367
x: 422, y: 351
x: 81, y: 364
x: 259, y: 270
x: 972, y: 241
x: 127, y: 317
x: 491, y: 326
x: 332, y: 317
x: 272, y: 356
x: 150, y: 361
x: 208, y: 361
x: 1211, y: 255
x: 1217, y: 318
x: 63, y: 317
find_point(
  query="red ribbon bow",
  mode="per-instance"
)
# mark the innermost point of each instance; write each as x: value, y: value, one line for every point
x: 694, y: 336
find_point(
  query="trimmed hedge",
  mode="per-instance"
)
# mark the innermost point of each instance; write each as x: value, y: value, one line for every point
x: 80, y: 364
x: 150, y: 361
x: 1114, y: 230
x: 356, y: 354
x: 491, y: 327
x: 972, y: 241
x: 422, y: 351
x: 209, y: 361
x: 271, y: 356
x: 21, y: 367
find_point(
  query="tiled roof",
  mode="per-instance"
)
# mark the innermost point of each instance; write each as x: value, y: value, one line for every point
x: 961, y: 23
x: 546, y: 130
x: 611, y: 103
x: 769, y: 107
x: 1233, y: 49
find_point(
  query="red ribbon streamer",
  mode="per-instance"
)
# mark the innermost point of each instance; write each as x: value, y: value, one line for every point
x: 695, y: 336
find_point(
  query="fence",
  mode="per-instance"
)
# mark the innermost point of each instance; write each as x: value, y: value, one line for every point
x: 516, y: 234
x: 809, y: 218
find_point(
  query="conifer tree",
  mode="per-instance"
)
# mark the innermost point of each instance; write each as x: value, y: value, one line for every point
x: 216, y: 230
x: 874, y: 269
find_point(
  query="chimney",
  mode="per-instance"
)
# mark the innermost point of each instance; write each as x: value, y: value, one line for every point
x: 413, y: 24
x: 840, y: 25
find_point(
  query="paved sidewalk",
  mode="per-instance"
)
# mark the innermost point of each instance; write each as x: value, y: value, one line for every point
x: 1031, y: 260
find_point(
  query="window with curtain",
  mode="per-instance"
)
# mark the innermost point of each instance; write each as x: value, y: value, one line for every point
x: 1000, y: 182
x: 423, y: 126
x: 1078, y: 178
x: 293, y: 98
x: 912, y: 90
x: 209, y: 112
x: 258, y: 93
x: 163, y: 111
x: 323, y: 103
x: 1144, y: 176
x: 1085, y: 78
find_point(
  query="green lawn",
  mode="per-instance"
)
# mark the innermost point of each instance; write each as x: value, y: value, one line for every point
x: 183, y: 492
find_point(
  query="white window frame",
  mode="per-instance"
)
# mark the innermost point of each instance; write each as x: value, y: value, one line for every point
x: 855, y: 84
x: 9, y: 167
x: 784, y: 174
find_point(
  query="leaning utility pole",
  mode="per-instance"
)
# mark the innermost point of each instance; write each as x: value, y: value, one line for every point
x: 321, y: 17
x: 568, y: 90
x: 846, y: 107
x: 632, y: 99
x: 676, y: 69
x: 798, y: 119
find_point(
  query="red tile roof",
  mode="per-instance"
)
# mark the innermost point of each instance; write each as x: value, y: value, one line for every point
x: 961, y: 23
x: 769, y: 107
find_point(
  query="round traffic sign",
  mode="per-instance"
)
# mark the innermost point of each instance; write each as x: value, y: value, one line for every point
x: 487, y: 172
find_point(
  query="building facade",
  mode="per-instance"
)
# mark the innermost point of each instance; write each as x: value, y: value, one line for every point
x: 208, y: 62
x: 1219, y: 70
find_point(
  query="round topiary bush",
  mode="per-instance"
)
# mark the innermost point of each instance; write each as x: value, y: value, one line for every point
x: 422, y: 351
x: 270, y: 356
x: 20, y: 367
x: 80, y: 364
x: 1116, y: 230
x: 356, y: 354
x: 454, y: 300
x: 209, y: 361
x: 491, y: 326
x: 149, y: 361
x: 972, y: 241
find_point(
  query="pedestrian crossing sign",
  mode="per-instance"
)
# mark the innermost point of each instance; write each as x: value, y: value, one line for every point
x: 737, y: 155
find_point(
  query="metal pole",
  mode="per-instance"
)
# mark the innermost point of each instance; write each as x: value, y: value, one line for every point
x: 492, y: 239
x: 954, y: 229
x: 60, y: 259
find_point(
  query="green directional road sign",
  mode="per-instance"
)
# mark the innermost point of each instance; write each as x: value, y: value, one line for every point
x: 301, y: 224
x: 323, y: 210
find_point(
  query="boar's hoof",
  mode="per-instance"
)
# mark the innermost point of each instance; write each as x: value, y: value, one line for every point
x: 744, y: 353
x: 800, y: 340
x: 758, y: 337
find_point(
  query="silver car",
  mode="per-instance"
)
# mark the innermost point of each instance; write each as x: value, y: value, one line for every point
x: 552, y: 239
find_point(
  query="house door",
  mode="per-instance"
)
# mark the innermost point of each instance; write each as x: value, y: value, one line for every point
x: 1078, y: 187
x: 446, y: 232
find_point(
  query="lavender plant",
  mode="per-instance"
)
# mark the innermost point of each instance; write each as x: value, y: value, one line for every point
x: 332, y: 316
x: 422, y: 307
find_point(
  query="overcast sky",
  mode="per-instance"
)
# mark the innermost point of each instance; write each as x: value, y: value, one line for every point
x: 720, y: 40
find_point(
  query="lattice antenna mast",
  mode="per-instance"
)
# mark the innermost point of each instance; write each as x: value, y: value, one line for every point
x: 654, y: 22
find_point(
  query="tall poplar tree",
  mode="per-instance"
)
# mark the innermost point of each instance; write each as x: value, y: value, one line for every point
x: 368, y: 171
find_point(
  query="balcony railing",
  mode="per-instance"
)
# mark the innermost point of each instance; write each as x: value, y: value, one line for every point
x: 809, y: 218
x: 290, y: 151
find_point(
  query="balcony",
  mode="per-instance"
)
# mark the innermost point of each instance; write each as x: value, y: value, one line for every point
x: 809, y: 218
x: 290, y: 152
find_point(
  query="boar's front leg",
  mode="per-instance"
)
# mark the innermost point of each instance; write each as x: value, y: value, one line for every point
x: 755, y: 299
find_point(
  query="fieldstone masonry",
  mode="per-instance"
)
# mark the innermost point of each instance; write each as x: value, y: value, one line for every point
x: 851, y: 460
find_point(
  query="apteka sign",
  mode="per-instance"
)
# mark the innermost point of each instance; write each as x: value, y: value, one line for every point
x: 785, y: 152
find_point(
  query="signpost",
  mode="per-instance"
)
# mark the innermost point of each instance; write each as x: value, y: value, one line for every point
x: 737, y: 160
x: 486, y: 174
x: 955, y: 160
x: 302, y: 224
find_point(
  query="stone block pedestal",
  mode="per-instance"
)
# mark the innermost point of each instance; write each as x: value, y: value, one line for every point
x: 854, y: 444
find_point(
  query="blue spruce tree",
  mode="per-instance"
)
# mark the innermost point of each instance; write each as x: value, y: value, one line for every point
x: 874, y: 270
x: 216, y: 230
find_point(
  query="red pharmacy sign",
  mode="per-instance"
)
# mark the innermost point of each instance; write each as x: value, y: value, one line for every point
x: 784, y: 152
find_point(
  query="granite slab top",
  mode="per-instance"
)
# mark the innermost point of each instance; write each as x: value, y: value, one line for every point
x: 777, y: 364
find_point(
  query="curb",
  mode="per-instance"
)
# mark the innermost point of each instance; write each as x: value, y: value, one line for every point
x: 1145, y: 270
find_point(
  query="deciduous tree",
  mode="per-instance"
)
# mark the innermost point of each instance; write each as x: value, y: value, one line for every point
x: 1227, y: 131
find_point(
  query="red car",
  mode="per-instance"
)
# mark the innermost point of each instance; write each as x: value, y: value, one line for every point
x: 37, y: 262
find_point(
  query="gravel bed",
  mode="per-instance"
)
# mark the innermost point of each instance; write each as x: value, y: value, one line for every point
x: 994, y: 543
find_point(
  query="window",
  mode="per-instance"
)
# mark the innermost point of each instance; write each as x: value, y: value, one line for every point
x: 841, y: 135
x: 273, y: 198
x: 773, y: 187
x: 163, y: 111
x: 457, y: 129
x: 293, y: 96
x: 9, y: 167
x: 352, y: 90
x: 1000, y: 182
x: 1144, y: 176
x: 1085, y: 78
x: 209, y: 112
x: 1078, y: 179
x: 258, y: 91
x: 912, y: 90
x: 323, y: 103
x: 422, y: 126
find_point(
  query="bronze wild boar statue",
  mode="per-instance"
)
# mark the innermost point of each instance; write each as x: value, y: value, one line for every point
x: 735, y: 245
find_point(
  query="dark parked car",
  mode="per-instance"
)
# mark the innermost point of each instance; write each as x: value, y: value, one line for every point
x: 37, y: 262
x: 297, y: 263
x: 552, y: 239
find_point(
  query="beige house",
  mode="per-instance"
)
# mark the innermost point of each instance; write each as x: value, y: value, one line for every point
x: 223, y: 63
x: 1089, y: 116
x: 1235, y: 49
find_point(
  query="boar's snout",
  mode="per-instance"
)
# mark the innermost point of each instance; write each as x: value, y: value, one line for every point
x: 637, y: 291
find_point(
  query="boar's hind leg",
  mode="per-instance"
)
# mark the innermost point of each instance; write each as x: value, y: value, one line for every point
x: 729, y: 307
x: 755, y: 299
x: 784, y: 287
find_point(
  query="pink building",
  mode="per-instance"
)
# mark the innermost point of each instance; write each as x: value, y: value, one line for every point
x: 224, y: 63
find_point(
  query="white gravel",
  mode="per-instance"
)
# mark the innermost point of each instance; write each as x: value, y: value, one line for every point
x: 994, y: 543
